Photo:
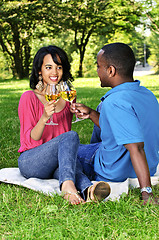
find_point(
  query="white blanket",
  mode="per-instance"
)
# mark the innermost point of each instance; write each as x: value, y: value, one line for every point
x: 51, y: 186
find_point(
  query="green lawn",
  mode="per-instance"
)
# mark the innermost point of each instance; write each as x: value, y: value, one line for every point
x: 25, y: 214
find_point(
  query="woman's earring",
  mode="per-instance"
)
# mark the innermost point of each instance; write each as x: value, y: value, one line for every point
x: 40, y: 85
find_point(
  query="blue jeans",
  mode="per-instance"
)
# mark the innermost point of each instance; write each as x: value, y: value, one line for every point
x: 86, y: 154
x: 56, y: 158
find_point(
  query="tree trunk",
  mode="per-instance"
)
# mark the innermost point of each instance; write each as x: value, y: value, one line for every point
x: 82, y: 48
x: 19, y: 57
x: 80, y: 71
x: 27, y: 50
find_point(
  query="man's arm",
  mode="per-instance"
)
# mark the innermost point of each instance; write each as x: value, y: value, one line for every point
x: 139, y: 162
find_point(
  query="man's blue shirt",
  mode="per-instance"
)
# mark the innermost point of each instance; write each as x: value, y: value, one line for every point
x: 129, y: 114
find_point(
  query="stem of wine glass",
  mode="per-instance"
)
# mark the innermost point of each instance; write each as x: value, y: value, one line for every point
x: 51, y: 121
x: 77, y: 119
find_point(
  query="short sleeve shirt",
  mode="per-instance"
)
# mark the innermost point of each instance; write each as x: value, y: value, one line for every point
x: 129, y: 114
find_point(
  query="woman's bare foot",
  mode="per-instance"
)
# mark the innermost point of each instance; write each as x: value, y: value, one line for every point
x: 70, y: 193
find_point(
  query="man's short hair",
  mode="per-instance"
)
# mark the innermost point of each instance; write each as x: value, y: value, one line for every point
x: 120, y: 56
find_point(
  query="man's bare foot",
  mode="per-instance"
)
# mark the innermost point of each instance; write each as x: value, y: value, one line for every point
x: 70, y: 193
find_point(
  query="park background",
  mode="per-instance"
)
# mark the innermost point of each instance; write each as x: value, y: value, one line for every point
x: 81, y: 28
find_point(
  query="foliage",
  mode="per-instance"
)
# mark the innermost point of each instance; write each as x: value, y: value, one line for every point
x: 135, y: 40
x: 20, y: 22
x: 24, y: 21
x: 90, y: 17
x: 152, y: 14
x: 154, y: 57
x: 79, y: 27
x: 4, y: 66
x: 16, y: 28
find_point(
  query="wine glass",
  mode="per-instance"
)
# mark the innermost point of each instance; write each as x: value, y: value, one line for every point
x: 52, y: 94
x: 68, y: 93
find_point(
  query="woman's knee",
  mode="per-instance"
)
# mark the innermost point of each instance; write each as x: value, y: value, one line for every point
x: 72, y: 136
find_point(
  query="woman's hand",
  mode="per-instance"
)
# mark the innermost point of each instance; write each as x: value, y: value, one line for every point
x: 49, y: 109
x: 37, y: 131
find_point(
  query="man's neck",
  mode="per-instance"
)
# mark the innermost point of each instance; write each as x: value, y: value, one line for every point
x: 120, y: 80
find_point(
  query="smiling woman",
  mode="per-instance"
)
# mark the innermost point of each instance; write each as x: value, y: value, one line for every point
x: 50, y: 151
x: 49, y: 57
x: 50, y: 71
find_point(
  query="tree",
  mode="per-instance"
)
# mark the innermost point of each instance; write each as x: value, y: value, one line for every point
x: 15, y: 32
x: 135, y: 40
x: 21, y: 21
x: 152, y: 14
x: 151, y: 22
x: 18, y: 22
x: 153, y: 60
x: 96, y: 17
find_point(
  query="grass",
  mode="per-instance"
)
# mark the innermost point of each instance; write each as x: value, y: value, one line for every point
x: 25, y: 214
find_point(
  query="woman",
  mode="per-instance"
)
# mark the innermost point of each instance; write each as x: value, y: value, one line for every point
x: 51, y: 151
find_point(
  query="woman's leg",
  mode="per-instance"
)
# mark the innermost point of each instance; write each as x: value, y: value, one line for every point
x: 40, y: 162
x: 85, y: 160
x: 84, y: 172
x: 43, y: 161
x: 61, y: 153
x: 67, y: 156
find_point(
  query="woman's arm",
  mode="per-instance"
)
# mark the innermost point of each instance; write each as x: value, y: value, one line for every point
x: 37, y: 131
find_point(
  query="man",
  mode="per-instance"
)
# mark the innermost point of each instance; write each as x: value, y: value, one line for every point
x: 128, y: 120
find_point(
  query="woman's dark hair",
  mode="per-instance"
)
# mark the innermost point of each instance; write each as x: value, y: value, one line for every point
x: 120, y: 56
x: 38, y: 61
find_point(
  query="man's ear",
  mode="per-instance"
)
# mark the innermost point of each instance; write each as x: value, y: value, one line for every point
x: 112, y: 71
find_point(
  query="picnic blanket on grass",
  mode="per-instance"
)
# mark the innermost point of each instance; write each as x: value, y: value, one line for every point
x: 51, y: 186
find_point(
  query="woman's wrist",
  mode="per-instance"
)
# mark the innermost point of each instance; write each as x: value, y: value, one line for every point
x: 44, y: 119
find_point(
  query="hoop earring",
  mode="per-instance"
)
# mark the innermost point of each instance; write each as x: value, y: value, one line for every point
x: 40, y: 85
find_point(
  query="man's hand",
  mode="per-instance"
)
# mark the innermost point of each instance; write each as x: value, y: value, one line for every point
x: 80, y: 110
x: 85, y: 112
x: 149, y: 198
x: 139, y: 162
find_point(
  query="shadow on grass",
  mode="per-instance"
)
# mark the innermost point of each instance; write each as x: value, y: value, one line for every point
x: 6, y: 80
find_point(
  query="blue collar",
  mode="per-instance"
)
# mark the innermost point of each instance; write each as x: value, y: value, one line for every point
x: 124, y: 86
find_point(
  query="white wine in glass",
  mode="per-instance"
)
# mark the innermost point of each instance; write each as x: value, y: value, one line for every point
x: 52, y: 94
x: 68, y: 93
